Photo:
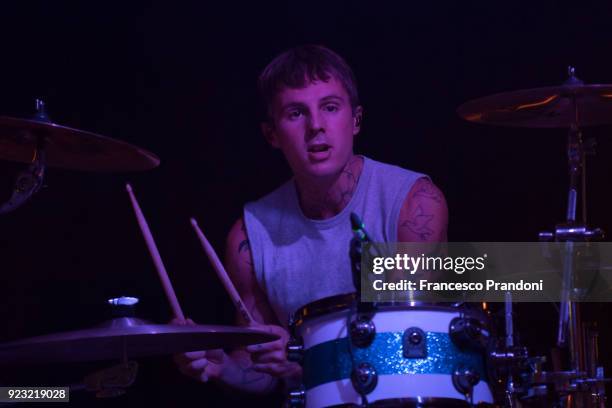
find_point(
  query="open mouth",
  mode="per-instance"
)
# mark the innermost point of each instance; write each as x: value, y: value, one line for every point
x: 318, y: 148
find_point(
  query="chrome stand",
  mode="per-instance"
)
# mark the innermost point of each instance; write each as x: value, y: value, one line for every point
x: 569, y: 332
x: 31, y: 179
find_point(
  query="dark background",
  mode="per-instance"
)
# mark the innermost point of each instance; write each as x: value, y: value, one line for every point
x: 179, y: 79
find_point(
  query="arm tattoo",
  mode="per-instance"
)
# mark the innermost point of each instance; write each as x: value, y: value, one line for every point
x: 418, y: 223
x: 426, y: 189
x: 245, y: 245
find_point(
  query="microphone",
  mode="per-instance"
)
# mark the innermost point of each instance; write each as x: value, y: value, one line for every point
x: 362, y: 234
x: 359, y: 228
x: 360, y: 237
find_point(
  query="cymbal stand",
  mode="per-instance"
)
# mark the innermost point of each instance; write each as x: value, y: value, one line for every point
x: 30, y: 180
x: 569, y: 332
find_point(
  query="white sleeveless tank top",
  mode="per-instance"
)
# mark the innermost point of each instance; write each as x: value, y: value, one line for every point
x: 298, y: 260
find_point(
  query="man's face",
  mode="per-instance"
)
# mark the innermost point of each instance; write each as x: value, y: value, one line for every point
x: 314, y: 127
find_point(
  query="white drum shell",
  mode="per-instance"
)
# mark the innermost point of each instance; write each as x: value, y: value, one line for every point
x: 317, y: 330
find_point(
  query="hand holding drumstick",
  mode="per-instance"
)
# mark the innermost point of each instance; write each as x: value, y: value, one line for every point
x: 269, y: 358
x: 242, y: 369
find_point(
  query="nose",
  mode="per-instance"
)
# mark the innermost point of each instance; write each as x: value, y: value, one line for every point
x: 316, y: 123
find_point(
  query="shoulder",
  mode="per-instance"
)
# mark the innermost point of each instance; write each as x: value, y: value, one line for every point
x: 237, y: 231
x: 386, y: 169
x: 274, y: 198
x: 238, y: 248
x: 391, y: 181
x: 264, y: 218
x: 424, y: 213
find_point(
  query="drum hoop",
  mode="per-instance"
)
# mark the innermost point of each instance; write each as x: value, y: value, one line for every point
x: 332, y: 304
x: 426, y: 402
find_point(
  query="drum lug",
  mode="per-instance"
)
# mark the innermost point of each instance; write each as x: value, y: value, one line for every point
x: 362, y: 331
x: 295, y: 350
x: 364, y: 378
x: 465, y: 379
x: 468, y: 333
x: 414, y: 343
x: 296, y: 398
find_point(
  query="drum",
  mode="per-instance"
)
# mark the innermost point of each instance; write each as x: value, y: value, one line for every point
x: 391, y: 355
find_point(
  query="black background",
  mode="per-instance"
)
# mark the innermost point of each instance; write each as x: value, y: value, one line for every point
x: 179, y: 79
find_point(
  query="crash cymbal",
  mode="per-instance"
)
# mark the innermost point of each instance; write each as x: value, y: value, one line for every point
x: 550, y: 107
x: 129, y: 337
x: 70, y: 148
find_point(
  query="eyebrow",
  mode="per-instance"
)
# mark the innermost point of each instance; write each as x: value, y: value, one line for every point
x: 327, y: 98
x: 332, y: 98
x: 292, y: 105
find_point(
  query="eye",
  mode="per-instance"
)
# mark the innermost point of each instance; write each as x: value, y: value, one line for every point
x: 331, y: 107
x: 294, y: 114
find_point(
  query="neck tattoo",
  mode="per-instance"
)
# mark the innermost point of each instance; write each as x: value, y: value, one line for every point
x: 322, y: 204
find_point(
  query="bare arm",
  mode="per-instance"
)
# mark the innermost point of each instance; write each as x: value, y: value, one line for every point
x: 423, y: 219
x: 255, y: 368
x: 239, y: 264
x: 424, y: 214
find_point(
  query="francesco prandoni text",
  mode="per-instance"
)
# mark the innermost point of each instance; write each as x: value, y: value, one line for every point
x: 459, y: 265
x: 489, y: 284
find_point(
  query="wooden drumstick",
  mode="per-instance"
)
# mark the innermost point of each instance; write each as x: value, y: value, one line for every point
x: 159, y: 265
x: 225, y: 279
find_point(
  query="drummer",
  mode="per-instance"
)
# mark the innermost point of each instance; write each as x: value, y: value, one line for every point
x: 291, y: 247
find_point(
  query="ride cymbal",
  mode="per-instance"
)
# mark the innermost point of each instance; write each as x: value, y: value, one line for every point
x: 550, y: 107
x: 69, y: 148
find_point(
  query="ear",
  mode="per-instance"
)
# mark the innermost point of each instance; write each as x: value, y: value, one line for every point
x: 269, y: 132
x: 357, y: 118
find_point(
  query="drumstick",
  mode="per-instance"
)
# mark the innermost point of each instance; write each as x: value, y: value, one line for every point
x: 159, y: 265
x: 225, y: 279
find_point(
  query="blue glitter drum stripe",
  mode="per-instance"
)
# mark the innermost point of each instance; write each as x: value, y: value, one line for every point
x: 331, y: 361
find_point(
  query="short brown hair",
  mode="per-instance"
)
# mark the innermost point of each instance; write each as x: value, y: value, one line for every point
x: 301, y: 65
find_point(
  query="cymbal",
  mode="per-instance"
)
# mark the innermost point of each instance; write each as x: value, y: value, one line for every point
x: 126, y: 336
x: 70, y: 148
x: 550, y: 107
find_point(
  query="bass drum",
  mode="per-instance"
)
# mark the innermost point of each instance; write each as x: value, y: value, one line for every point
x: 391, y: 355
